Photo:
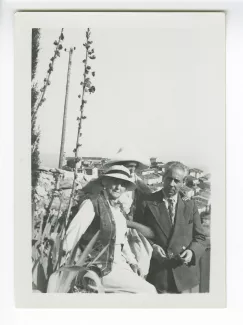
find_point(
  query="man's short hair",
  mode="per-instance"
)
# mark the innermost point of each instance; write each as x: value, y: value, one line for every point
x: 176, y: 164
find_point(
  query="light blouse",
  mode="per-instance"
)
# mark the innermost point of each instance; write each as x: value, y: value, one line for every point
x: 82, y: 221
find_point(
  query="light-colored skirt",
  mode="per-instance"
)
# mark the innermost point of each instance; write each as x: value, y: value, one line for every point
x: 122, y: 279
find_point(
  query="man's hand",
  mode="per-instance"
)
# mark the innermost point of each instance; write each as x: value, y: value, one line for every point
x: 186, y: 256
x: 146, y: 231
x: 159, y: 253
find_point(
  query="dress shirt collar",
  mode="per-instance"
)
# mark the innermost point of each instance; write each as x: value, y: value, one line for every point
x: 174, y: 198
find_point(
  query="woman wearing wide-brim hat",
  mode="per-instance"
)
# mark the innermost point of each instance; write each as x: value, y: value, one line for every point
x: 135, y: 162
x: 111, y: 257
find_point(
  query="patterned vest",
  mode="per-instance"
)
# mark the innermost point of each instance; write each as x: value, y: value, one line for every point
x: 103, y: 221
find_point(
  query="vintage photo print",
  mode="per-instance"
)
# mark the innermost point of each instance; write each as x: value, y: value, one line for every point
x: 120, y: 159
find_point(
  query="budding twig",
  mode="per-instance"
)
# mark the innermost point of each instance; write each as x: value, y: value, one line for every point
x: 87, y: 86
x: 47, y: 82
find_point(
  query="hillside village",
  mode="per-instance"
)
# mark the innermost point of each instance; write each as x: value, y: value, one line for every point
x: 197, y: 185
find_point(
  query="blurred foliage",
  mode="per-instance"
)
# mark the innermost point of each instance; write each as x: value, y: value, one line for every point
x: 53, y: 269
x: 35, y: 133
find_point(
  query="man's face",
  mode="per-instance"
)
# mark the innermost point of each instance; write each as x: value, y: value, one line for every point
x: 173, y: 180
x: 131, y: 165
x: 115, y: 187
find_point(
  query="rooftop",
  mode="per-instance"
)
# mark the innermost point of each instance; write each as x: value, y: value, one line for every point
x: 151, y: 176
x: 185, y: 189
x: 87, y: 158
x: 196, y: 170
x: 191, y: 178
x: 201, y: 199
x: 205, y: 194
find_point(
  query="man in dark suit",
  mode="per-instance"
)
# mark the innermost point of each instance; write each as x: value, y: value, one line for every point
x: 179, y: 238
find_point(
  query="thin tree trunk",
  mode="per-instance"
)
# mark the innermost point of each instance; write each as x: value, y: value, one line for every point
x: 65, y: 110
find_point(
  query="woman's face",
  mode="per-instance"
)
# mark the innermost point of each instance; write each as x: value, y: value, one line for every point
x: 115, y: 187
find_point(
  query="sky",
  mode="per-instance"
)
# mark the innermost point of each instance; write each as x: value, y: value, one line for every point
x: 155, y: 92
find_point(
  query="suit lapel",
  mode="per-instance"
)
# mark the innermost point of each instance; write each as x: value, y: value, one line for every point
x: 179, y: 218
x: 160, y: 214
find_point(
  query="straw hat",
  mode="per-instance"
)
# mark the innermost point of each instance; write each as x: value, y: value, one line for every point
x: 128, y: 154
x: 120, y: 172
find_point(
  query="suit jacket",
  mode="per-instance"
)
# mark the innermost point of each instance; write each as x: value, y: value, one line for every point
x: 186, y: 232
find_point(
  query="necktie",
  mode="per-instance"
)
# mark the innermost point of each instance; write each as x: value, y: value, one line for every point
x: 171, y: 210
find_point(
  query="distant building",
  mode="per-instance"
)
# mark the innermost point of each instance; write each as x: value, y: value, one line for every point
x: 161, y: 167
x: 151, y: 179
x: 202, y: 199
x: 85, y: 163
x: 100, y: 171
x: 201, y: 207
x: 196, y: 190
x: 156, y: 160
x: 93, y: 158
x: 156, y: 187
x: 195, y: 172
x: 158, y: 164
x: 206, y: 194
x: 203, y: 203
x: 147, y: 171
x: 187, y: 191
x: 91, y: 171
x: 205, y: 183
x: 192, y: 181
x: 207, y: 177
x: 153, y: 160
x: 203, y: 195
x: 93, y: 161
x: 70, y: 162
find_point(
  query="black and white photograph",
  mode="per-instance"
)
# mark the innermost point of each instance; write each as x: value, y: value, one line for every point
x: 125, y: 155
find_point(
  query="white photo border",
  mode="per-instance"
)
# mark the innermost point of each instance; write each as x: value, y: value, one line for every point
x: 24, y: 22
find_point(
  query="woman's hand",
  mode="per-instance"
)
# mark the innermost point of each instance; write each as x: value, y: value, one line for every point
x: 159, y: 253
x: 135, y: 269
x: 129, y: 223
